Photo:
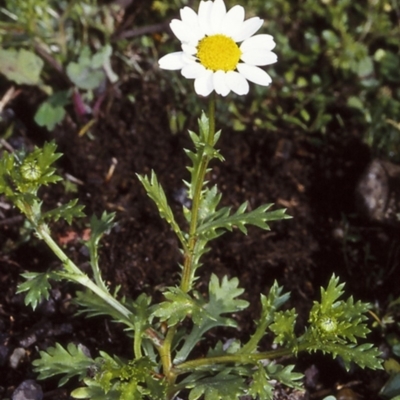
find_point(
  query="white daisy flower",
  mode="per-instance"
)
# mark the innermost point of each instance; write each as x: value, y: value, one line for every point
x: 210, y: 52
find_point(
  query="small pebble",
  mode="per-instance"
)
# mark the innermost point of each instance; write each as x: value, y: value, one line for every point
x: 17, y: 355
x: 28, y: 390
x: 28, y: 340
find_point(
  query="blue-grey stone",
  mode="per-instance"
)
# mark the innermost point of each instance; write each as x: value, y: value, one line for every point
x: 28, y: 390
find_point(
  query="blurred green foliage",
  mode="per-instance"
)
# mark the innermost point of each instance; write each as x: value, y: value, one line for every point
x: 57, y: 44
x: 338, y: 70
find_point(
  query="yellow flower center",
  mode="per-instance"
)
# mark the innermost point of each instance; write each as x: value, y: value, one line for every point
x: 218, y: 52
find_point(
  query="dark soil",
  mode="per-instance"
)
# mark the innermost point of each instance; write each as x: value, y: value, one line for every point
x: 313, y: 177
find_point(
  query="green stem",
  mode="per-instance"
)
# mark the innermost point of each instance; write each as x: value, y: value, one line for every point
x: 189, y: 251
x: 237, y: 358
x: 137, y: 344
x: 94, y: 263
x: 187, y: 273
x: 253, y: 342
x: 78, y: 276
x: 165, y: 355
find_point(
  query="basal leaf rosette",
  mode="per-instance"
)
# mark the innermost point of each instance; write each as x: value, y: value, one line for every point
x: 211, y: 54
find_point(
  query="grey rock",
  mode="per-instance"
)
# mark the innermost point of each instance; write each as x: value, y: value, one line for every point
x: 28, y: 340
x: 378, y: 192
x: 28, y: 390
x: 17, y: 355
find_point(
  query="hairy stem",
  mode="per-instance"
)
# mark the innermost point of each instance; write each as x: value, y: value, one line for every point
x: 189, y: 251
x: 187, y: 274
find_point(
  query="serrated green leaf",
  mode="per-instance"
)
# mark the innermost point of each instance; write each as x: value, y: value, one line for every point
x: 141, y: 311
x: 202, y: 151
x: 365, y: 355
x: 178, y: 307
x: 285, y: 375
x: 156, y: 193
x: 67, y: 212
x: 222, y: 300
x: 219, y: 387
x: 222, y: 220
x: 94, y: 391
x: 37, y: 286
x: 260, y: 387
x: 57, y: 360
x: 93, y: 306
x: 133, y: 381
x: 283, y: 328
x: 22, y: 174
x: 334, y: 320
x: 335, y: 326
x: 270, y: 304
x: 98, y: 227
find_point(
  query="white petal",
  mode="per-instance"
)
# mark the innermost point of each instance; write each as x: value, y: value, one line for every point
x: 258, y: 42
x: 259, y: 57
x: 193, y: 71
x: 189, y: 49
x: 204, y: 14
x: 172, y: 61
x: 217, y: 15
x: 179, y: 29
x: 233, y: 21
x: 188, y: 59
x: 203, y: 85
x: 219, y: 81
x: 184, y: 32
x: 248, y: 28
x: 254, y: 74
x: 190, y: 19
x: 237, y: 83
x: 188, y: 16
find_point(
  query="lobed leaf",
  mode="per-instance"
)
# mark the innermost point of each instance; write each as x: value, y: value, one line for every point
x: 222, y: 299
x: 283, y: 328
x: 156, y: 193
x: 57, y: 360
x: 364, y: 355
x: 37, y: 286
x: 219, y: 387
x: 270, y: 304
x: 285, y: 375
x: 94, y: 391
x: 23, y: 67
x: 178, y: 307
x: 93, y: 306
x: 99, y: 227
x: 260, y: 387
x: 222, y: 220
x: 67, y: 212
x: 202, y: 150
x: 334, y: 320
